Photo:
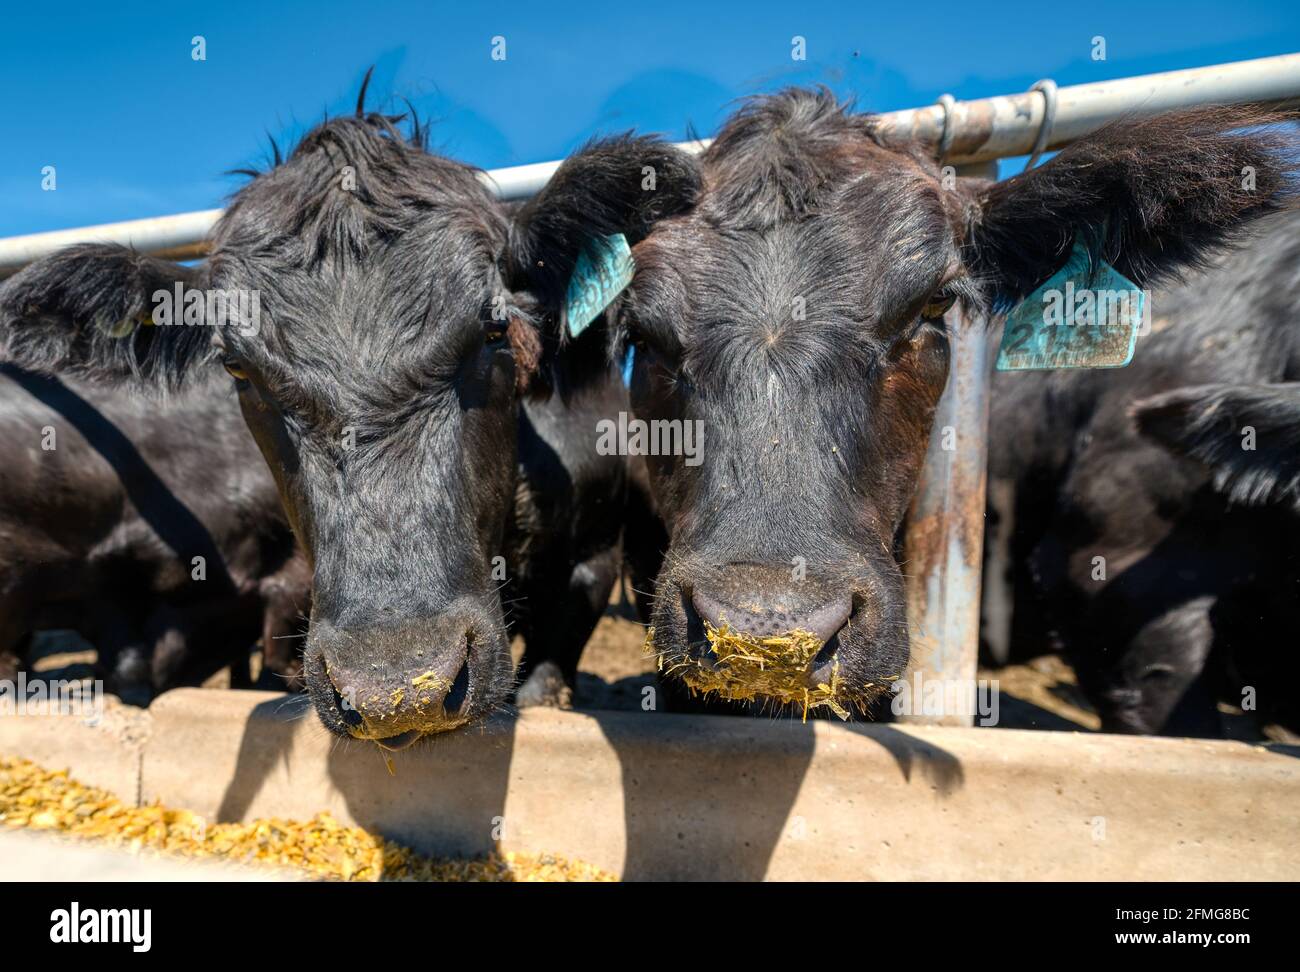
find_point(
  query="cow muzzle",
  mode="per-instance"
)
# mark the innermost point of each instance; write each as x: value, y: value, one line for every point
x: 393, y: 687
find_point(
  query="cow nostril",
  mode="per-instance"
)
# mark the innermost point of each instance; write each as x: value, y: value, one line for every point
x: 823, y: 663
x: 351, y: 717
x: 399, y: 742
x: 770, y: 616
x: 1123, y: 696
x: 694, y: 622
x: 827, y: 620
x: 459, y: 689
x: 697, y: 640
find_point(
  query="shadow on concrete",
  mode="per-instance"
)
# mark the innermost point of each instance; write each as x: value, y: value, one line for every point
x: 743, y: 774
x: 445, y: 796
x: 919, y: 760
x: 740, y: 798
x: 704, y: 797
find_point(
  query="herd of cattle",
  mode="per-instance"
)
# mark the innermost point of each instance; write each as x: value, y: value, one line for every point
x: 422, y: 481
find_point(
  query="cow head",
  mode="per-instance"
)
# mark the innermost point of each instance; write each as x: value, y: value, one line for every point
x: 795, y: 317
x: 354, y: 294
x: 1246, y: 438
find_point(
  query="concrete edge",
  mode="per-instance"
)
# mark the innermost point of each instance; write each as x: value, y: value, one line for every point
x: 652, y: 795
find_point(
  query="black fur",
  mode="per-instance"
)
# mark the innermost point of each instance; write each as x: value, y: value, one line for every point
x: 1152, y: 197
x: 86, y: 311
x: 1208, y: 423
x: 100, y: 533
x: 596, y: 192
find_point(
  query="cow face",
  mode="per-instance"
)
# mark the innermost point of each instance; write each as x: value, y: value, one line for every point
x: 799, y: 328
x: 795, y: 318
x: 364, y: 324
x: 379, y: 359
x: 381, y: 387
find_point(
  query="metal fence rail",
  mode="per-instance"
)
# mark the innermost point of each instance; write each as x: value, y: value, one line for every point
x: 982, y: 130
x: 944, y: 553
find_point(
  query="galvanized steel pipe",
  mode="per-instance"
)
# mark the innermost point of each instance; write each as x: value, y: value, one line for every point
x: 985, y: 129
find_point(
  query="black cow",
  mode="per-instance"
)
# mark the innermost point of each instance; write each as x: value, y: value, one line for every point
x: 796, y: 311
x: 382, y: 380
x: 1248, y: 438
x: 1246, y: 435
x: 1159, y: 576
x: 152, y: 528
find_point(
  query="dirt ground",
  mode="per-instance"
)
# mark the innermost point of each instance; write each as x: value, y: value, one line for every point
x: 1041, y: 694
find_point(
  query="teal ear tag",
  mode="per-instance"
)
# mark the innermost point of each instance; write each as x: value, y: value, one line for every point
x: 1076, y: 319
x: 602, y: 272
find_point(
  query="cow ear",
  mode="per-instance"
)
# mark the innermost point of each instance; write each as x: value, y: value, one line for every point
x: 1248, y: 436
x: 1150, y: 197
x: 88, y: 311
x: 621, y: 185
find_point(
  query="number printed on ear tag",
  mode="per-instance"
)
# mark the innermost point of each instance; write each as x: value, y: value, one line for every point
x: 1076, y: 319
x: 602, y: 272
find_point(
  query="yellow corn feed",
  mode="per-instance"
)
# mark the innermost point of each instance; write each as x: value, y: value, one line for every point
x: 33, y: 797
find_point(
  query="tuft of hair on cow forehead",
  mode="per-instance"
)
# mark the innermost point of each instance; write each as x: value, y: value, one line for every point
x: 344, y: 131
x: 789, y: 155
x: 353, y: 182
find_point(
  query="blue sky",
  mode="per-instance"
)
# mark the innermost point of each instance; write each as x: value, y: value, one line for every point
x: 110, y: 96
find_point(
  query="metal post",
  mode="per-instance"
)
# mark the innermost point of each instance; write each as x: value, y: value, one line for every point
x: 944, y: 544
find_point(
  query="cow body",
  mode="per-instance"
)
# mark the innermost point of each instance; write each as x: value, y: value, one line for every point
x: 1129, y: 559
x: 788, y: 302
x: 108, y: 501
x: 563, y: 541
x: 1247, y: 438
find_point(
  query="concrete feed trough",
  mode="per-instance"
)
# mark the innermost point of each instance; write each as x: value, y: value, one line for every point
x: 651, y: 796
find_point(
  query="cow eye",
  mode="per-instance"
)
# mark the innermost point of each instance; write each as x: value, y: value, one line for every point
x: 494, y: 332
x: 937, y: 306
x: 235, y: 368
x: 1157, y: 672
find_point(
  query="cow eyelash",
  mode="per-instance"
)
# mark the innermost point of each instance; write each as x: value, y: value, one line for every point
x: 637, y: 334
x: 235, y: 368
x: 938, y: 305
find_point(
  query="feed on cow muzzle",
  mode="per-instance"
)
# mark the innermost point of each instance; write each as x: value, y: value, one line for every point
x: 796, y: 668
